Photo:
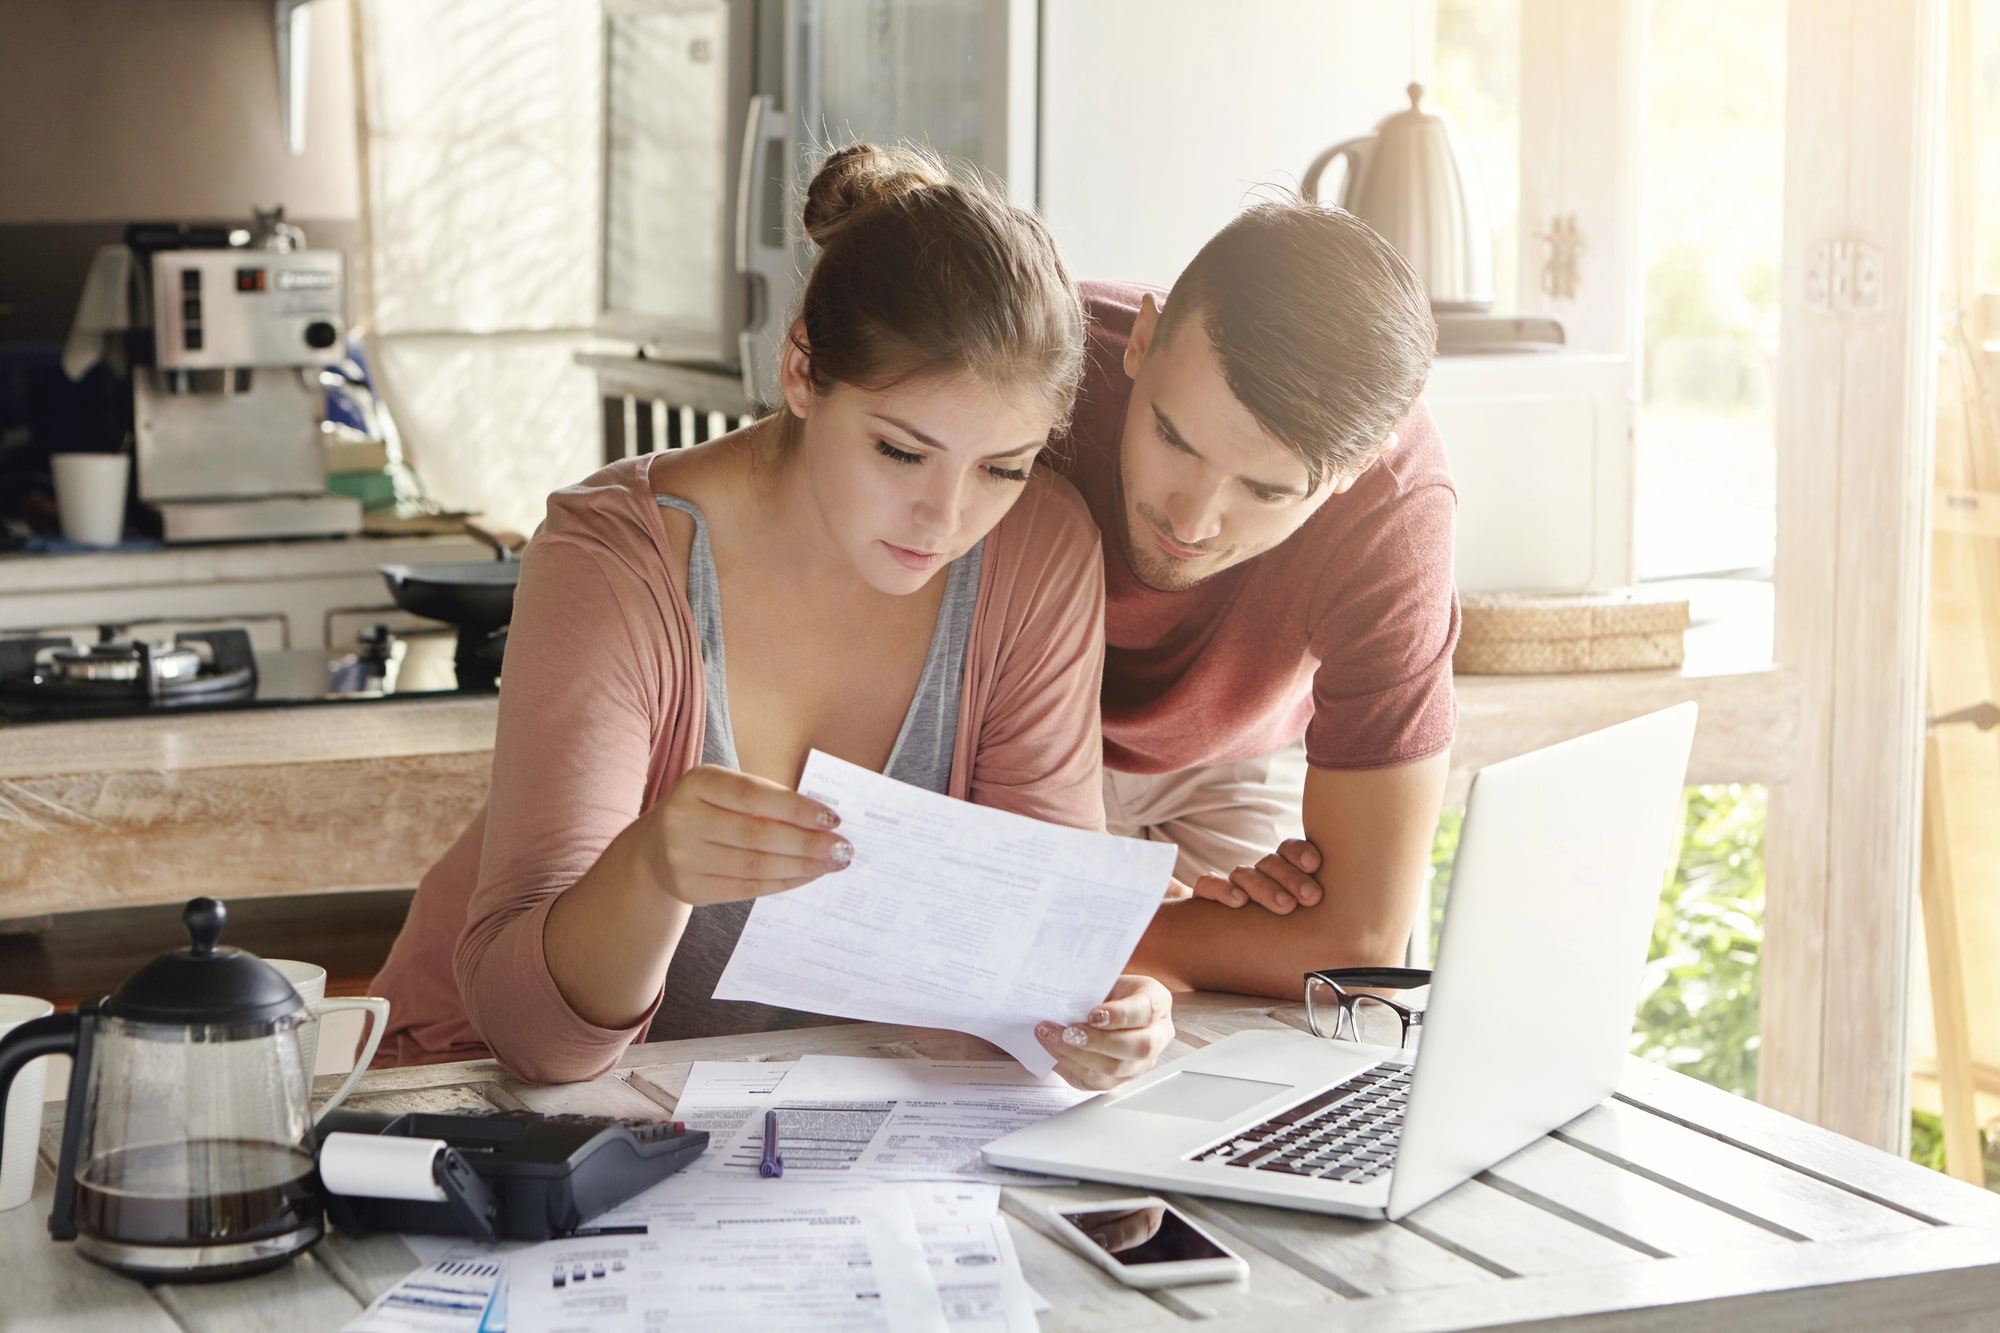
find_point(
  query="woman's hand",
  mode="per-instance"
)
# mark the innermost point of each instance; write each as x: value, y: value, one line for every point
x: 721, y: 835
x: 1278, y: 883
x: 1120, y: 1040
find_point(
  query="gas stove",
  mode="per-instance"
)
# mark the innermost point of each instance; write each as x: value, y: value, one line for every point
x: 53, y: 679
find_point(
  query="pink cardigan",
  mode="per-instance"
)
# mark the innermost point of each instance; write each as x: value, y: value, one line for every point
x: 603, y: 710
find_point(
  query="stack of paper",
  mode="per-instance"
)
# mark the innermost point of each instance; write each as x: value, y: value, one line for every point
x: 885, y: 1218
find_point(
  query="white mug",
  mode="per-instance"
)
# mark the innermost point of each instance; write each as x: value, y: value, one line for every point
x: 24, y: 1106
x: 90, y: 496
x: 309, y: 980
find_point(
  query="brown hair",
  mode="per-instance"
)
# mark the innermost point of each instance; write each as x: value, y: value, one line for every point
x: 920, y: 274
x: 1324, y: 332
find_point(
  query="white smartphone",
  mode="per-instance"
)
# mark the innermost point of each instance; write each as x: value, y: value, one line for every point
x: 1146, y: 1242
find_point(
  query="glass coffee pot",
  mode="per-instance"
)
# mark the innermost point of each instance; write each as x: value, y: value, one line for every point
x: 187, y: 1152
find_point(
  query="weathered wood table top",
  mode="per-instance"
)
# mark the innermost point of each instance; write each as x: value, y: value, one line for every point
x: 1671, y: 1206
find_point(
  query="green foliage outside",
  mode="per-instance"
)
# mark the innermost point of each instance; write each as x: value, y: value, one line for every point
x: 1927, y: 1146
x: 1698, y: 1008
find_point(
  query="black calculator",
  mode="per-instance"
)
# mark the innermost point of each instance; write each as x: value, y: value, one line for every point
x: 515, y: 1175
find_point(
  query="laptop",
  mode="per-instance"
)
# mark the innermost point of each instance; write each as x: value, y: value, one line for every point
x: 1559, y: 871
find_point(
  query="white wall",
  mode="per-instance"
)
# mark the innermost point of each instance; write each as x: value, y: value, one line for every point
x: 483, y: 184
x: 1160, y: 117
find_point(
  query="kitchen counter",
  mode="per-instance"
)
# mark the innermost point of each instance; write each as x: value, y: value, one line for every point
x: 127, y: 811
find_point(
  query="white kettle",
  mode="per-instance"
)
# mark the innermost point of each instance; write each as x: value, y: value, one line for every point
x: 1411, y: 181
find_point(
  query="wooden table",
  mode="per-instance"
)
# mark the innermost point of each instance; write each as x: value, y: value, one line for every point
x: 1672, y: 1206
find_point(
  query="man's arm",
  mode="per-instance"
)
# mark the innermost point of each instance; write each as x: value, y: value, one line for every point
x: 1373, y: 829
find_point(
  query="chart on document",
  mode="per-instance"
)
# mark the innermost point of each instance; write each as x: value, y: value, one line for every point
x: 951, y: 915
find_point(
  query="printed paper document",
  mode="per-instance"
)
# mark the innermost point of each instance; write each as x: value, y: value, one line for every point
x: 843, y: 1116
x: 453, y: 1293
x: 775, y: 1254
x: 716, y: 1257
x: 727, y: 1098
x: 951, y: 915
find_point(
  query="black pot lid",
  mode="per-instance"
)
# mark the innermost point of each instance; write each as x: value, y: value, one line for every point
x: 207, y: 982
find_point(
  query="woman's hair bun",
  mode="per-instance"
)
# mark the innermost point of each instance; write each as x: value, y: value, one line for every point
x: 862, y: 174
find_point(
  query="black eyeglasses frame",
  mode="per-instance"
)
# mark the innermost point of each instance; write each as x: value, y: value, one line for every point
x: 1384, y: 978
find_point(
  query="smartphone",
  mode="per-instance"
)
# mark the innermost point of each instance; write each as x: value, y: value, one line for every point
x: 1145, y: 1242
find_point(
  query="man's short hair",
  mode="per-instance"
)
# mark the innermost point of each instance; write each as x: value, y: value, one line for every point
x: 1323, y: 330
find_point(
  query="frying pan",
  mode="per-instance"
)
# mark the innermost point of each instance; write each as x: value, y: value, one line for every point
x: 475, y: 595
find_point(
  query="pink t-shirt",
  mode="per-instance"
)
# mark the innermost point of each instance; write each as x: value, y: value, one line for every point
x: 1343, y: 632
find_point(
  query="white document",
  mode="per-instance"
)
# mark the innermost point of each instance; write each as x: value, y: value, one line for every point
x: 878, y: 1078
x: 972, y: 1258
x: 720, y: 1254
x: 453, y: 1293
x: 966, y: 1246
x: 817, y: 1140
x: 725, y: 1097
x: 951, y: 915
x: 850, y: 1116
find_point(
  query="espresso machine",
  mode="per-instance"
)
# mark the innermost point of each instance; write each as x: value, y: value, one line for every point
x: 227, y: 407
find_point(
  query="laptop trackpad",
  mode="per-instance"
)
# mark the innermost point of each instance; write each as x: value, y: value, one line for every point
x: 1200, y: 1096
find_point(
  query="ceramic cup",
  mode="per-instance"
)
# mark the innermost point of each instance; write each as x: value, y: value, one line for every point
x: 90, y: 496
x: 309, y: 980
x: 23, y: 1133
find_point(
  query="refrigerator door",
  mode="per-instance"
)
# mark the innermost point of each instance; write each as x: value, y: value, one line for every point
x: 677, y: 76
x: 716, y: 113
x: 913, y: 70
x: 956, y: 76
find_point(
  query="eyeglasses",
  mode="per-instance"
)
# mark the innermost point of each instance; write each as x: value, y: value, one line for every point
x: 1335, y: 1009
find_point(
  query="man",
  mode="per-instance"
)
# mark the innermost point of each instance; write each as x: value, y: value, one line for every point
x: 1277, y: 514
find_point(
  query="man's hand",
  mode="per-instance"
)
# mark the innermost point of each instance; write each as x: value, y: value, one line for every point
x: 1120, y: 1039
x: 1278, y: 883
x: 1371, y: 832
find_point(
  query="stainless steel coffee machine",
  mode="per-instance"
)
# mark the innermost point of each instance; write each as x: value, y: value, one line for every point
x: 226, y: 418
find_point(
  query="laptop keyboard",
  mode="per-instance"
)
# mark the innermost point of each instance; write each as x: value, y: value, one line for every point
x: 1347, y: 1133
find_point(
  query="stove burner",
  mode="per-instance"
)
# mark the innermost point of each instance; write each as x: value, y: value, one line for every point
x: 213, y: 666
x: 117, y: 660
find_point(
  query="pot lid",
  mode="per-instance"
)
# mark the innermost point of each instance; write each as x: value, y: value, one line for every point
x: 207, y: 982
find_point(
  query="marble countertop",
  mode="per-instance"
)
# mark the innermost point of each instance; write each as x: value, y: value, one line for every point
x: 317, y: 733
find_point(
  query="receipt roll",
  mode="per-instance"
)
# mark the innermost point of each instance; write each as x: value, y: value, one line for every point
x: 381, y: 1166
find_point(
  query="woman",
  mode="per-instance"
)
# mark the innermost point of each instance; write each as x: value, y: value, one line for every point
x: 871, y: 571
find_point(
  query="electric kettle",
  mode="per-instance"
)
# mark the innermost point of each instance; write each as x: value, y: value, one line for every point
x: 1412, y: 182
x: 187, y: 1151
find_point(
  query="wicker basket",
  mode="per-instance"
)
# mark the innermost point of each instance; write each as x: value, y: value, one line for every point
x: 1524, y: 633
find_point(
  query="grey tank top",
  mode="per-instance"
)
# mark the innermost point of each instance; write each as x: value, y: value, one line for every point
x: 920, y: 757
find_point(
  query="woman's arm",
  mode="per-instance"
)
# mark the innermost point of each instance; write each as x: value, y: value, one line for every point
x: 719, y: 836
x: 583, y: 890
x: 592, y: 720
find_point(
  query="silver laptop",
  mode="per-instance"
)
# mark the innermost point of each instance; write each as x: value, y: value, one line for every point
x: 1559, y: 872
